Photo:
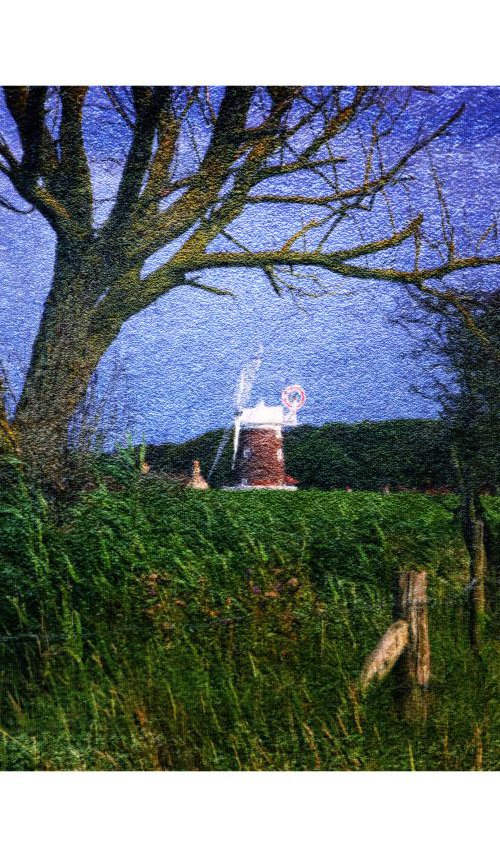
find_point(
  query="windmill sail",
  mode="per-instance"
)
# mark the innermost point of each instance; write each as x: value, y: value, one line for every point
x: 241, y: 397
x: 220, y: 450
x: 243, y: 390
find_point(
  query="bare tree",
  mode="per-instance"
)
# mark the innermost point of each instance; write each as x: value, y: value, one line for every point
x: 195, y: 160
x: 461, y: 343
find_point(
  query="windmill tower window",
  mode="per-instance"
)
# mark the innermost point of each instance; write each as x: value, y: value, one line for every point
x: 247, y: 452
x: 279, y: 454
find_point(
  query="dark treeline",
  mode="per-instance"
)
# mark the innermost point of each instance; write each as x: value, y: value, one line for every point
x: 369, y: 455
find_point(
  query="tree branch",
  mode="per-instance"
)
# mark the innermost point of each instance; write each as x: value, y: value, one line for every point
x: 368, y: 188
x: 39, y: 177
x: 153, y: 232
x: 149, y: 103
x: 72, y: 177
x: 338, y: 263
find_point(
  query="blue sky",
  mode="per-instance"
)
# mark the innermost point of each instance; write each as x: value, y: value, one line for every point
x: 172, y: 372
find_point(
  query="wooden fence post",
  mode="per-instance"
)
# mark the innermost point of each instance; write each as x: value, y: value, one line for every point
x: 386, y: 653
x: 414, y: 667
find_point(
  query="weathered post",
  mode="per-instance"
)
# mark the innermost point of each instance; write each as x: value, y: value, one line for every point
x: 414, y: 666
x: 389, y: 648
x: 405, y: 646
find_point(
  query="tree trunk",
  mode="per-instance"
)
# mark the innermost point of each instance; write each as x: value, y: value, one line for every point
x: 63, y: 360
x: 473, y: 532
x: 477, y: 598
x: 8, y: 443
x: 49, y: 403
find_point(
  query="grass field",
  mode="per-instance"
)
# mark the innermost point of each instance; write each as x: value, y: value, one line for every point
x: 147, y: 627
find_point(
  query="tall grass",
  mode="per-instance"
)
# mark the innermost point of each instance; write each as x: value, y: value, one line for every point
x: 149, y: 628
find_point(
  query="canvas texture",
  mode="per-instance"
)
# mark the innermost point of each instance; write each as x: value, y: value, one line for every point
x: 249, y: 428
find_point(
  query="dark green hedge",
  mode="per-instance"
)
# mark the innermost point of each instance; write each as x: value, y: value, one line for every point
x: 367, y: 455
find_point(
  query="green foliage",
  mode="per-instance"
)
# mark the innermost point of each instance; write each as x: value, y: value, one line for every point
x: 471, y: 399
x: 370, y: 455
x: 366, y: 456
x: 191, y: 630
x: 24, y: 529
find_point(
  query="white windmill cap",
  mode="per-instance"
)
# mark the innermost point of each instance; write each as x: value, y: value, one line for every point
x: 262, y: 415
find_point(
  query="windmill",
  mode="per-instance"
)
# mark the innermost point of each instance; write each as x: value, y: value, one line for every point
x: 259, y: 460
x: 241, y: 396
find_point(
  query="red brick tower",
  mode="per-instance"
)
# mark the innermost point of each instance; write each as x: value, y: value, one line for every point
x: 259, y: 460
